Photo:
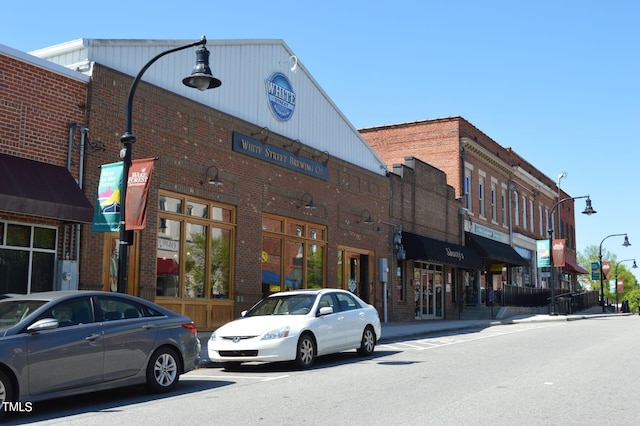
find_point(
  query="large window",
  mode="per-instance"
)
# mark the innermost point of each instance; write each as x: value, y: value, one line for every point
x: 494, y: 212
x: 467, y: 190
x: 27, y: 258
x: 293, y: 254
x: 195, y: 241
x: 481, y: 196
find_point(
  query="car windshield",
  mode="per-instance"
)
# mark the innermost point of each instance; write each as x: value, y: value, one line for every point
x: 14, y: 311
x: 295, y: 304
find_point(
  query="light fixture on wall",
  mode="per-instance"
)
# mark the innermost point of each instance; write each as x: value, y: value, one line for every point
x: 293, y: 59
x: 320, y: 156
x: 366, y: 220
x: 307, y: 204
x: 296, y: 152
x: 215, y: 180
x: 264, y: 131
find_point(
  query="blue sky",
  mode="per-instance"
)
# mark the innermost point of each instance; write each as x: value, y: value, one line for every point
x: 556, y: 80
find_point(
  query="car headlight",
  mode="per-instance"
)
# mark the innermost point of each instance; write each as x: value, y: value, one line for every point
x: 278, y: 333
x: 213, y: 337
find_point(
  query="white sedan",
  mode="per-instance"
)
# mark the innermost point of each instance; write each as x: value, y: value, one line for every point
x: 297, y: 326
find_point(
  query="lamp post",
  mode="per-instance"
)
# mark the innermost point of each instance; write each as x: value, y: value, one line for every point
x: 201, y: 79
x: 588, y: 210
x: 626, y: 244
x: 634, y: 267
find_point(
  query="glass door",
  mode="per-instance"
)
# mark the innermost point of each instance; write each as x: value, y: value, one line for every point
x: 424, y: 296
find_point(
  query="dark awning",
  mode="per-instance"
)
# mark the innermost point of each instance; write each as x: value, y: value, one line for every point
x: 495, y: 250
x: 424, y: 248
x: 41, y: 189
x: 574, y: 267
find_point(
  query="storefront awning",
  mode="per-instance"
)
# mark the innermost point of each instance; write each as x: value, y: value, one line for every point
x: 41, y: 189
x: 574, y: 267
x: 424, y: 248
x: 495, y: 250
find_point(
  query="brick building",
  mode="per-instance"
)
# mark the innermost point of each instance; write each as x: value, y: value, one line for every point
x: 42, y: 206
x: 507, y: 203
x: 300, y: 189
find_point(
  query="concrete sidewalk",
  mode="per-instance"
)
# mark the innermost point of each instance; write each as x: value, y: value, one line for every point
x: 396, y: 330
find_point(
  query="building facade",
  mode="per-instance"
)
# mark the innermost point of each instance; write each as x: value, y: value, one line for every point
x: 258, y: 186
x: 508, y: 205
x: 42, y: 206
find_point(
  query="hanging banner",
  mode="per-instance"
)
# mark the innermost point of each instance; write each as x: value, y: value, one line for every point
x: 558, y: 252
x: 542, y: 249
x: 595, y: 271
x: 606, y: 266
x: 137, y: 193
x: 620, y: 287
x: 106, y: 215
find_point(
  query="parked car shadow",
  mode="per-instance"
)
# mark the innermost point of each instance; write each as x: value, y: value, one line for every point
x: 326, y: 361
x: 103, y: 401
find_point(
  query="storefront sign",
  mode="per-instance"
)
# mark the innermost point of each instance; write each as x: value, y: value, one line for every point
x: 280, y: 95
x: 274, y: 155
x: 492, y: 234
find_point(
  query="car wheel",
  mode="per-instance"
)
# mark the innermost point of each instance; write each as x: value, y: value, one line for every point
x: 306, y: 352
x: 368, y: 342
x: 163, y: 371
x: 6, y: 392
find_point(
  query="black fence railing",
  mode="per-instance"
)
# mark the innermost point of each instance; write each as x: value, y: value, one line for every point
x: 528, y: 296
x: 512, y: 295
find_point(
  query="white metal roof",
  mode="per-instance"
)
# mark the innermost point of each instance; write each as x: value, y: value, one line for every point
x: 243, y: 66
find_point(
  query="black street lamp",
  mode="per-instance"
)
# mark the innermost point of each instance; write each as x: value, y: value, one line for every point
x: 626, y: 244
x: 588, y: 210
x: 634, y: 267
x: 201, y: 79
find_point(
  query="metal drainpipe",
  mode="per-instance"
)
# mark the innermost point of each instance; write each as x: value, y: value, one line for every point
x: 83, y: 136
x: 72, y: 133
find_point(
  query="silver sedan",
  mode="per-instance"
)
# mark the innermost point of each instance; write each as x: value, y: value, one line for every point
x: 57, y: 344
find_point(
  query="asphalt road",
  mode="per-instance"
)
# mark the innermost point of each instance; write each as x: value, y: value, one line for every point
x: 546, y: 373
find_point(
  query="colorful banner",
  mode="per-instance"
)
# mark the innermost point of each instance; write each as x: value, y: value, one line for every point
x: 558, y: 252
x: 106, y: 215
x: 606, y: 267
x: 137, y: 193
x: 542, y: 249
x: 595, y: 271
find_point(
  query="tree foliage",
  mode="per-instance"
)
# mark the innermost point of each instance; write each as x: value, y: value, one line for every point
x: 631, y: 290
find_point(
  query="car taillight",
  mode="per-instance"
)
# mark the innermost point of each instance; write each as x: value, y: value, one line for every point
x: 191, y: 327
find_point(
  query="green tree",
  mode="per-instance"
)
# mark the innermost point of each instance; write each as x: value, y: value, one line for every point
x: 631, y: 290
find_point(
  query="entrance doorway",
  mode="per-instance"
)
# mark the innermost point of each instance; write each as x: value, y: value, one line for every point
x: 355, y: 273
x: 429, y: 290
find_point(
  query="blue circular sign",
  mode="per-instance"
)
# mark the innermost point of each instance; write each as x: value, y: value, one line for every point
x: 280, y: 95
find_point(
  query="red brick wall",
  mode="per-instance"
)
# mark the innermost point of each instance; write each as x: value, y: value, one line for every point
x: 36, y: 107
x: 187, y: 137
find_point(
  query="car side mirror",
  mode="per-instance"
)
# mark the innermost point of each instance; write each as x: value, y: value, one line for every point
x: 43, y: 324
x: 325, y: 310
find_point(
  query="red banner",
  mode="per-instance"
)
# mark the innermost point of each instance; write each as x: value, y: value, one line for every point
x: 557, y: 250
x: 137, y: 193
x: 606, y: 267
